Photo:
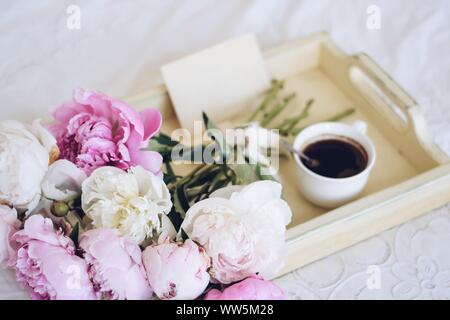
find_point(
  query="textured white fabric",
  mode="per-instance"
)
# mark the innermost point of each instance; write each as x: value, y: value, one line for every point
x: 411, y: 261
x: 121, y: 45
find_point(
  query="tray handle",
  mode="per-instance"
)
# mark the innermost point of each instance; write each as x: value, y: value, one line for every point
x: 399, y: 109
x: 377, y: 86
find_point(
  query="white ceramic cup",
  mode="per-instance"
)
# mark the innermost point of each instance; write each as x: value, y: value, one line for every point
x: 333, y: 192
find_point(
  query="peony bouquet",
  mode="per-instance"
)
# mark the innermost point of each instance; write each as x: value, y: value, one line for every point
x: 90, y: 208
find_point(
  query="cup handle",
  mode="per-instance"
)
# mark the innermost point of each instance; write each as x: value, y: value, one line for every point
x: 360, y: 125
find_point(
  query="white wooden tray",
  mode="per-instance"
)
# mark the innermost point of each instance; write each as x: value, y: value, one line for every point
x: 411, y: 175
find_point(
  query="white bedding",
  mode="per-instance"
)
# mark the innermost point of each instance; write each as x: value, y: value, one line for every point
x: 121, y: 45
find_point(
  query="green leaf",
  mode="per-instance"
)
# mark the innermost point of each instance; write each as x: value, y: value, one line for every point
x: 207, y: 122
x: 162, y: 144
x: 180, y: 199
x: 245, y: 173
x: 204, y: 176
x: 164, y: 150
x: 164, y: 139
x: 74, y: 234
x: 219, y: 138
x: 169, y: 175
x: 168, y: 178
x: 189, y: 153
x: 218, y: 184
x: 263, y: 176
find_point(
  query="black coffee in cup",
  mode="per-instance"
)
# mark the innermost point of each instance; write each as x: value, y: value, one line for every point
x: 337, y: 157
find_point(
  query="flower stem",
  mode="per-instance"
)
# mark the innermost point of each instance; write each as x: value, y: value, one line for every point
x: 341, y: 115
x: 277, y: 110
x: 337, y: 117
x: 277, y: 85
x: 186, y: 178
x: 289, y: 124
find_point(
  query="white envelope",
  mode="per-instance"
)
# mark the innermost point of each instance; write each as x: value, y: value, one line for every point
x: 219, y: 80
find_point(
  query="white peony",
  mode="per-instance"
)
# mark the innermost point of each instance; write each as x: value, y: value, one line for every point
x: 259, y: 145
x: 62, y: 181
x: 258, y: 142
x: 133, y: 202
x: 25, y: 154
x: 242, y: 229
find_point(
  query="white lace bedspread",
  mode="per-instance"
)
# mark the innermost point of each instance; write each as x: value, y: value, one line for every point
x: 412, y: 262
x: 121, y: 45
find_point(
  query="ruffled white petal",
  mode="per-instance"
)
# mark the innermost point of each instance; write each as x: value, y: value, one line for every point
x: 62, y: 181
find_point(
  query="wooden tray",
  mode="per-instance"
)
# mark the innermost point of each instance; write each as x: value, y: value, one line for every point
x: 411, y: 175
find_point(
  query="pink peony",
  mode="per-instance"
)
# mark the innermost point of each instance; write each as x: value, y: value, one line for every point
x: 242, y: 229
x: 95, y: 131
x: 8, y: 226
x: 115, y: 265
x: 177, y: 271
x: 252, y: 288
x: 46, y: 263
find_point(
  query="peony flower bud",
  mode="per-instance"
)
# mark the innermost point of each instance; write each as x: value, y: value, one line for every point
x: 252, y: 288
x: 177, y: 271
x: 59, y: 209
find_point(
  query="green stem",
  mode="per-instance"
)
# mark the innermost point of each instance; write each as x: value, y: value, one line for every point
x: 335, y: 118
x: 289, y: 124
x: 169, y: 169
x: 186, y: 178
x: 277, y: 110
x: 272, y: 94
x: 341, y: 115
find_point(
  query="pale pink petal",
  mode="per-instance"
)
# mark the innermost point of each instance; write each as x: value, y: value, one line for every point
x: 68, y: 110
x: 46, y: 263
x: 130, y: 115
x: 115, y: 273
x: 177, y: 271
x: 152, y: 122
x: 149, y: 160
x: 252, y: 288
